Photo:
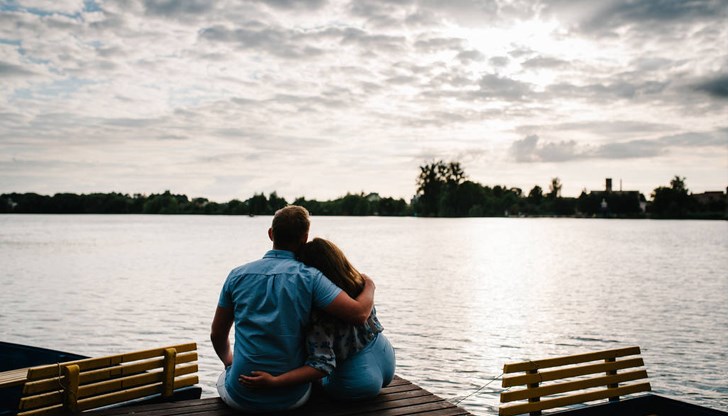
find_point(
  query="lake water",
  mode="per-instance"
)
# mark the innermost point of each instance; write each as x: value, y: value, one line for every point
x: 458, y: 297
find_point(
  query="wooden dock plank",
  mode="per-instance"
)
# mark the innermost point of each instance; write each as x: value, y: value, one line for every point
x: 400, y: 398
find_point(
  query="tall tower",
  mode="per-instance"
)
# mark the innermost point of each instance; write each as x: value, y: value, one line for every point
x: 609, y: 184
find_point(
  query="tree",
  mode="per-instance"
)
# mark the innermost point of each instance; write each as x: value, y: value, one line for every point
x: 555, y: 188
x: 535, y: 195
x: 672, y: 202
x: 429, y: 187
x: 437, y: 185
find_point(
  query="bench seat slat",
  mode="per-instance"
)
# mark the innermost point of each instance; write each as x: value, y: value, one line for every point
x: 12, y: 378
x: 41, y: 400
x: 549, y: 375
x: 515, y: 409
x: 524, y: 394
x: 123, y: 383
x: 134, y: 393
x: 568, y: 360
x: 57, y: 409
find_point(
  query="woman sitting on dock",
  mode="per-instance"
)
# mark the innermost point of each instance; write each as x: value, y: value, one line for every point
x: 352, y: 361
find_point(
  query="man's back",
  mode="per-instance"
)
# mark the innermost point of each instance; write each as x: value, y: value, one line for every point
x: 272, y: 300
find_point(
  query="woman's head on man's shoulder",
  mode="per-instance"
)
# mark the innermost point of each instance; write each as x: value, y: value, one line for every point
x: 331, y: 261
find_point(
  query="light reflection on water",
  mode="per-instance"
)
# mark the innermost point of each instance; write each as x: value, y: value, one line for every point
x: 458, y: 297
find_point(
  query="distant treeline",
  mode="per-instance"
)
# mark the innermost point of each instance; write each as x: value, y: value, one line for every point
x: 443, y: 190
x: 169, y: 203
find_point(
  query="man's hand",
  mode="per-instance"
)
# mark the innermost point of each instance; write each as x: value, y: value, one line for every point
x: 368, y: 281
x: 258, y: 380
x: 355, y: 311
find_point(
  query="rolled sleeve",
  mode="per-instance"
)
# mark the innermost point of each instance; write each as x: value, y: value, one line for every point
x: 324, y: 292
x: 225, y: 300
x: 320, y: 352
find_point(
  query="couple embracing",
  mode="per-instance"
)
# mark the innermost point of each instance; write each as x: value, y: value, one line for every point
x: 302, y: 314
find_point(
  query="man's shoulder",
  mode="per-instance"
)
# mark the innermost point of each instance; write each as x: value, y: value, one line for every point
x: 276, y: 266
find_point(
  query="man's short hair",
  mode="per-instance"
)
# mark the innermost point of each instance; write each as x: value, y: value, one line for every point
x: 290, y: 224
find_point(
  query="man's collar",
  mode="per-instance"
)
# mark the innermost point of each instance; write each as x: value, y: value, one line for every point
x: 279, y: 254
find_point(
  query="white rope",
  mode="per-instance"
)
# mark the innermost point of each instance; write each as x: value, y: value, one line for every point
x: 456, y: 401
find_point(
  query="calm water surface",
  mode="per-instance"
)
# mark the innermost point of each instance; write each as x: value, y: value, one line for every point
x: 458, y: 297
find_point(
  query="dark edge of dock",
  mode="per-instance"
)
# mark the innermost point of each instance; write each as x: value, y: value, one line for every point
x: 401, y: 397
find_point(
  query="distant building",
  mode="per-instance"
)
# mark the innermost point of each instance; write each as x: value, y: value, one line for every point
x: 373, y: 197
x: 711, y: 202
x: 710, y: 197
x: 610, y: 202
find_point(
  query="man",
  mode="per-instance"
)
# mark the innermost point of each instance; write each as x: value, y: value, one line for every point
x: 269, y: 301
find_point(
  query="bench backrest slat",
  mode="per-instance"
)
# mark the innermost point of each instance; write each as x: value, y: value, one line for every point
x: 86, y: 364
x: 582, y: 370
x: 54, y: 383
x: 572, y: 379
x: 108, y: 380
x: 570, y: 359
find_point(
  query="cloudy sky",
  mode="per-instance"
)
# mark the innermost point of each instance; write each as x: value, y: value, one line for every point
x: 318, y: 98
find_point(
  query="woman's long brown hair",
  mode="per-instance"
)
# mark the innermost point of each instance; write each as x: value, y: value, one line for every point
x: 330, y: 260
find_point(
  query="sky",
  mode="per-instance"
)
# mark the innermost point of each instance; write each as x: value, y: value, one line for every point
x: 318, y: 98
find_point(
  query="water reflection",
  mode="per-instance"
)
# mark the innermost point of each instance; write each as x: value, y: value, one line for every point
x: 458, y: 297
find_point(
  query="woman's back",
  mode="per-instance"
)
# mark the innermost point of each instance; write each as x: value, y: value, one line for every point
x: 330, y: 340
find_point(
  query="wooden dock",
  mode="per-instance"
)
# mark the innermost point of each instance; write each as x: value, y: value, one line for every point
x: 401, y: 397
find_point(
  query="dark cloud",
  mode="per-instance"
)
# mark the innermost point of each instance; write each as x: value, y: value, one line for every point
x: 495, y: 87
x: 544, y: 62
x: 618, y: 89
x: 281, y: 43
x: 134, y: 122
x: 524, y: 150
x: 331, y: 99
x: 420, y: 18
x: 529, y: 150
x: 294, y: 4
x: 466, y: 12
x: 401, y: 80
x: 436, y: 119
x: 172, y: 137
x: 628, y: 150
x: 438, y: 44
x: 521, y: 51
x: 651, y: 15
x: 11, y: 70
x: 716, y: 87
x: 718, y: 138
x: 470, y: 55
x: 661, y: 11
x: 380, y: 14
x: 452, y: 79
x: 372, y: 42
x: 602, y: 128
x: 499, y: 60
x: 175, y: 8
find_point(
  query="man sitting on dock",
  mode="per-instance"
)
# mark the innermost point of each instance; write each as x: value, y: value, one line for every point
x: 270, y: 301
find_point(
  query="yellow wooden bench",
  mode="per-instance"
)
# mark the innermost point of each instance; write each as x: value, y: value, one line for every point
x: 75, y: 386
x: 563, y: 381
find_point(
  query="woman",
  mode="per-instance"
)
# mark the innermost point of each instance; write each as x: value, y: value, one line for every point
x: 352, y: 361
